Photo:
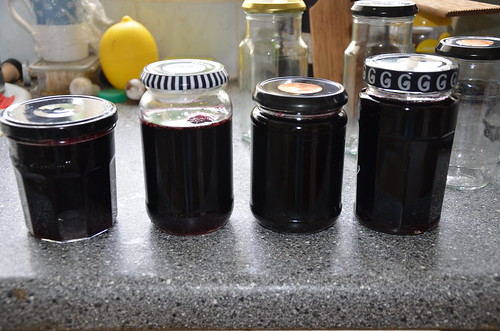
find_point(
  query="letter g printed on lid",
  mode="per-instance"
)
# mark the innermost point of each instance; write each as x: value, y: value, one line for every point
x: 404, y: 82
x: 385, y: 79
x: 371, y: 76
x: 424, y: 83
x: 441, y: 82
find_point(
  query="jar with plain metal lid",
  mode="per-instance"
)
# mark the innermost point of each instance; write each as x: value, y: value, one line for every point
x: 298, y: 136
x: 406, y: 125
x: 379, y: 27
x: 62, y: 149
x: 186, y: 123
x: 475, y: 159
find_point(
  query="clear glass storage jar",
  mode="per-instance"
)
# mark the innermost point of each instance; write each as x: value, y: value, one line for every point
x: 63, y: 153
x: 298, y: 138
x: 406, y: 125
x: 272, y: 47
x: 379, y: 27
x: 475, y: 159
x: 186, y: 122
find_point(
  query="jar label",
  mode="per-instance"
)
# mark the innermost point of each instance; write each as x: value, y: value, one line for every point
x: 300, y: 88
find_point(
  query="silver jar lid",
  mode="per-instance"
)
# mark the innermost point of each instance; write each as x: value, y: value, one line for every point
x: 184, y: 74
x: 58, y: 117
x: 421, y: 73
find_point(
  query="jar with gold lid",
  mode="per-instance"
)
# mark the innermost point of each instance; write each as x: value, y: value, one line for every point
x: 272, y: 47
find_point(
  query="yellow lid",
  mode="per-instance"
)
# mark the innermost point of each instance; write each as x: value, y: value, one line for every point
x: 273, y: 7
x: 426, y: 19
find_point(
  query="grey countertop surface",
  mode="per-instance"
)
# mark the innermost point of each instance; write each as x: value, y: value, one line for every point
x: 244, y: 276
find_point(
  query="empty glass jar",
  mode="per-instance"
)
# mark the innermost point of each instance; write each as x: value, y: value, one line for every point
x: 272, y: 47
x: 476, y: 150
x: 379, y: 27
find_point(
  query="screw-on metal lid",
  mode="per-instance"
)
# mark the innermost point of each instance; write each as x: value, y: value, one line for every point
x: 58, y: 117
x: 422, y: 73
x: 470, y: 48
x: 300, y: 94
x: 273, y: 7
x: 384, y: 8
x: 184, y: 74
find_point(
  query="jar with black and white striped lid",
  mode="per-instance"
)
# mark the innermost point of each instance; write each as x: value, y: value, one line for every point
x: 186, y: 123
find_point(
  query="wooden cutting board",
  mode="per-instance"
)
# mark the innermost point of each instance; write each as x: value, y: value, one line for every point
x: 448, y: 8
x: 330, y: 22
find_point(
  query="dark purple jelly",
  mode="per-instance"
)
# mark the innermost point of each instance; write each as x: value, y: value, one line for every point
x: 297, y: 172
x: 189, y: 177
x: 63, y: 153
x: 67, y: 188
x: 404, y: 150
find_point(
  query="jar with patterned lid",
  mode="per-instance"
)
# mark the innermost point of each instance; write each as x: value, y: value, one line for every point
x: 407, y: 119
x: 186, y: 122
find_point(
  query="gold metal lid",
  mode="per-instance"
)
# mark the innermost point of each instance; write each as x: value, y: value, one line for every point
x: 273, y: 7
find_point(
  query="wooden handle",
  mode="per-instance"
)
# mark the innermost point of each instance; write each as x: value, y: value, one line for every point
x: 331, y: 23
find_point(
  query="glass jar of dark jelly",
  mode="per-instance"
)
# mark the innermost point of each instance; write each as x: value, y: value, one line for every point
x: 298, y: 136
x: 186, y: 123
x: 62, y: 150
x: 407, y: 123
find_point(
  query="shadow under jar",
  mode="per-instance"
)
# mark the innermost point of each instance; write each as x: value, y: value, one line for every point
x: 63, y: 153
x: 186, y: 123
x: 298, y: 137
x: 407, y: 123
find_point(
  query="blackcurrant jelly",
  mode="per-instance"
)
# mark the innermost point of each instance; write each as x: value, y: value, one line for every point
x: 186, y: 121
x: 62, y: 150
x: 188, y: 175
x: 298, y: 137
x: 407, y: 123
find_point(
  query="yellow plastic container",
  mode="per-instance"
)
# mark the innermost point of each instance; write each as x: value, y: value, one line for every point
x: 125, y: 49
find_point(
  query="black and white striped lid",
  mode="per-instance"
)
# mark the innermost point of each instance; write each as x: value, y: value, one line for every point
x: 184, y: 74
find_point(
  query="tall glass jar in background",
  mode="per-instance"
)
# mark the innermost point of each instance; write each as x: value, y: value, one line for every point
x: 476, y: 150
x: 298, y: 138
x: 379, y: 27
x: 186, y: 122
x: 272, y: 47
x: 407, y: 118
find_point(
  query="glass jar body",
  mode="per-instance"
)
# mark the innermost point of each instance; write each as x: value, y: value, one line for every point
x: 67, y: 187
x: 405, y: 143
x: 370, y: 36
x: 187, y: 150
x: 476, y: 149
x: 272, y: 47
x: 297, y: 166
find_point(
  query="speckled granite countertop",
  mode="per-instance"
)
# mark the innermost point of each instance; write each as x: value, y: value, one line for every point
x: 244, y: 276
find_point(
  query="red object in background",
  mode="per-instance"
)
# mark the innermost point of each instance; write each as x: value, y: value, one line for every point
x: 5, y: 101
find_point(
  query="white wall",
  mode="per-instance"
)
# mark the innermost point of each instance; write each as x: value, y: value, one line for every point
x: 181, y: 28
